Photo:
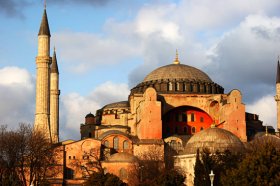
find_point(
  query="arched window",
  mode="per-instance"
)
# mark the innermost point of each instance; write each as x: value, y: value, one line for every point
x: 169, y: 88
x: 116, y: 143
x: 191, y: 87
x: 184, y: 117
x: 184, y: 87
x: 125, y: 145
x: 89, y: 135
x: 106, y: 143
x: 193, y: 130
x: 192, y: 117
x: 123, y: 173
x: 201, y: 128
x: 201, y: 119
x: 185, y: 130
x: 177, y: 87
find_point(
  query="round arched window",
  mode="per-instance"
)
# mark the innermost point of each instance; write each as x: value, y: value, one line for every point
x: 106, y: 143
x: 125, y: 145
x: 116, y: 143
x: 193, y: 130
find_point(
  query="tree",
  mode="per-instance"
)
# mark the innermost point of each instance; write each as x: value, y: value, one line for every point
x: 25, y: 156
x: 260, y: 166
x: 153, y: 172
x: 199, y: 171
x: 219, y: 162
x: 170, y: 178
x: 101, y: 179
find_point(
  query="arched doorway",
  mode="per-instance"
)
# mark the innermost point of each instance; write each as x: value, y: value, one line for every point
x: 185, y: 120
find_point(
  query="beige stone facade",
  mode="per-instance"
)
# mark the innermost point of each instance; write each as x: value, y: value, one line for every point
x: 168, y: 108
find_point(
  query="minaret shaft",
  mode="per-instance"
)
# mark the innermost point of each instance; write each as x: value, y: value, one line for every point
x: 54, y: 107
x: 42, y: 122
x: 277, y: 96
x: 277, y: 99
x: 43, y: 61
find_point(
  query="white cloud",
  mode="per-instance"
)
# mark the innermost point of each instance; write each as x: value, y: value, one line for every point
x: 16, y: 97
x: 15, y: 76
x: 245, y: 57
x: 265, y: 107
x: 157, y: 20
x: 206, y: 14
x: 75, y: 106
x: 83, y: 51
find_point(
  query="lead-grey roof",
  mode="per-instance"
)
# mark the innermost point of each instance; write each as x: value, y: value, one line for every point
x: 121, y: 104
x: 278, y: 73
x: 214, y: 139
x: 54, y: 67
x: 178, y: 71
x: 44, y: 27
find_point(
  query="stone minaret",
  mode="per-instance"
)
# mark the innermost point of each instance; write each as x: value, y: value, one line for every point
x: 43, y: 61
x: 54, y: 100
x: 277, y: 97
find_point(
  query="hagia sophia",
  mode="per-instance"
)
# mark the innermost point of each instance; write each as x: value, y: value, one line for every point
x: 176, y: 107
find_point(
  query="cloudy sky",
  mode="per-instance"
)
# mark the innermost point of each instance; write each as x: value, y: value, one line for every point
x: 105, y: 47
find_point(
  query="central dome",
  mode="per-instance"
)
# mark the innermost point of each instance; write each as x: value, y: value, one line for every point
x: 178, y: 78
x: 178, y: 71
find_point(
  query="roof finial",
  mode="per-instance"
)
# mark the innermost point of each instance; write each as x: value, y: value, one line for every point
x: 54, y: 48
x: 45, y: 4
x: 266, y: 132
x: 176, y: 60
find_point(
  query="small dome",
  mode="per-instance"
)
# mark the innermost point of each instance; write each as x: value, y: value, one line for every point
x: 121, y: 104
x: 122, y: 157
x: 214, y: 139
x: 90, y: 115
x: 266, y: 138
x: 178, y: 71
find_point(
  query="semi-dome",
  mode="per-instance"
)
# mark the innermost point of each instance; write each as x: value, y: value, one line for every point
x: 214, y: 139
x: 122, y: 157
x: 177, y: 72
x: 121, y: 104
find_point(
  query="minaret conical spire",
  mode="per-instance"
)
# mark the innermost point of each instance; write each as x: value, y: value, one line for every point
x: 278, y: 72
x: 54, y: 67
x: 44, y: 27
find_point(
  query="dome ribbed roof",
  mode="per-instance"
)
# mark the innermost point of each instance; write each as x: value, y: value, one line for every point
x: 89, y: 115
x: 121, y: 104
x: 214, y: 139
x: 178, y: 71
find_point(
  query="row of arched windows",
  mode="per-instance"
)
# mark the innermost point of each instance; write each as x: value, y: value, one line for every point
x: 199, y: 88
x: 185, y: 129
x: 116, y: 144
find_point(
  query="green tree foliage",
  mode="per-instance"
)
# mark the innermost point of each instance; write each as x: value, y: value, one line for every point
x: 170, y: 178
x: 260, y: 166
x: 100, y: 179
x: 199, y: 171
x: 219, y: 162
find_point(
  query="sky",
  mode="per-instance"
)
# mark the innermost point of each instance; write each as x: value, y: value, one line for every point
x: 106, y: 47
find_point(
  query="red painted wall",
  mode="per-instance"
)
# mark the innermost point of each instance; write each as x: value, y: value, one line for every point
x: 180, y: 121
